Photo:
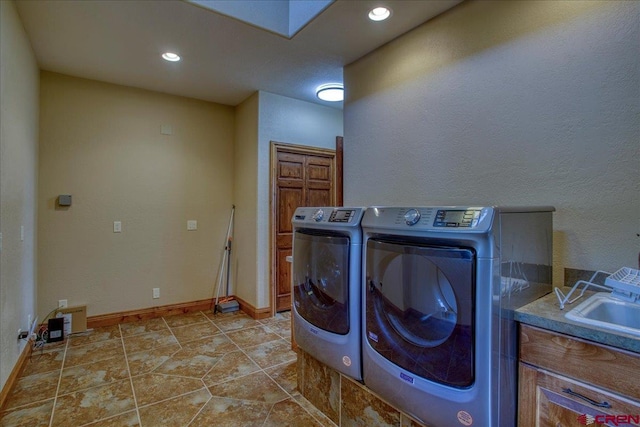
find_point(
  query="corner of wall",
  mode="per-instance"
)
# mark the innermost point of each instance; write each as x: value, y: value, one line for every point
x: 19, y: 146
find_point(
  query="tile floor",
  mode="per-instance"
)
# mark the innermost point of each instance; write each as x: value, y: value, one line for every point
x: 196, y: 369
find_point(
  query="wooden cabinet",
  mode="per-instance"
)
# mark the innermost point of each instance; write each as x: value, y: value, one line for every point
x: 566, y: 381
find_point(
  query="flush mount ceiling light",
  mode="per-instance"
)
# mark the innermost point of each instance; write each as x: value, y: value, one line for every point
x: 379, y: 13
x: 169, y: 56
x: 332, y: 92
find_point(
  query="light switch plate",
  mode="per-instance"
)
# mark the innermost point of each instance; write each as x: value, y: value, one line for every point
x: 117, y: 226
x: 166, y: 129
x: 64, y: 200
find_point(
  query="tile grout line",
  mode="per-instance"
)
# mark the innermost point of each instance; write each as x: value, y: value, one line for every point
x: 260, y: 369
x: 269, y: 413
x: 174, y: 337
x: 320, y: 421
x: 172, y: 397
x: 133, y: 390
x: 211, y: 368
x: 280, y: 340
x: 263, y: 370
x: 290, y: 396
x: 240, y: 349
x: 202, y: 379
x: 55, y: 399
x: 135, y: 399
x: 195, y: 416
x: 202, y: 408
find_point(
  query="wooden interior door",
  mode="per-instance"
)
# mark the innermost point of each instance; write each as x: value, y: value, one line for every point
x: 301, y: 176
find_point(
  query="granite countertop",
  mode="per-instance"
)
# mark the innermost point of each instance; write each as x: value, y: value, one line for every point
x: 545, y: 313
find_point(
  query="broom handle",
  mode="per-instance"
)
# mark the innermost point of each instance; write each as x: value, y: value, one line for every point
x: 215, y: 307
x: 228, y: 248
x: 228, y: 263
x: 226, y: 254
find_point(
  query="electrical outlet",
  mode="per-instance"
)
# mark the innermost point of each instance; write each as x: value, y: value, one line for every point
x: 156, y: 293
x: 117, y: 226
x: 63, y: 303
x: 192, y: 225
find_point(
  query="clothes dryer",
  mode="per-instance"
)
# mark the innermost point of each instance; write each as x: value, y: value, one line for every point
x: 439, y: 288
x: 327, y: 244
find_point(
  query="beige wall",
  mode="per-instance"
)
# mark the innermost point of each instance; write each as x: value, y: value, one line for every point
x: 102, y: 144
x: 285, y: 120
x: 508, y: 103
x: 18, y: 178
x: 261, y: 119
x: 246, y: 199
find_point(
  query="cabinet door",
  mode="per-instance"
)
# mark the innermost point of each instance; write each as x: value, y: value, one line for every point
x: 606, y: 367
x: 550, y: 400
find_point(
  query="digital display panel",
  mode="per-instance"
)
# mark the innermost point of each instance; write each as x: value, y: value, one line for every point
x: 341, y: 215
x: 455, y: 219
x: 453, y: 216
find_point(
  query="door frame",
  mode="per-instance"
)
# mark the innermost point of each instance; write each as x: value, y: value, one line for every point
x: 277, y: 147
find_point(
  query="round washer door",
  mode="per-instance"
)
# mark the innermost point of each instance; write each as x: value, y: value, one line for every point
x: 321, y: 279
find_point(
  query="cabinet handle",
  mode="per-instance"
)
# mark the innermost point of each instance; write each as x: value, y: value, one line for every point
x: 591, y: 401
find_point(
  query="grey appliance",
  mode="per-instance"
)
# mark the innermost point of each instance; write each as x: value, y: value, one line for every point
x: 439, y: 288
x: 327, y: 245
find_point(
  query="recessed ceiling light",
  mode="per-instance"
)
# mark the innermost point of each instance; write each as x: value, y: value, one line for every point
x: 169, y: 56
x: 379, y: 13
x: 332, y: 92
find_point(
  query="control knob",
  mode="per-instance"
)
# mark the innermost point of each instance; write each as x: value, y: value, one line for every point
x: 318, y: 215
x: 412, y: 216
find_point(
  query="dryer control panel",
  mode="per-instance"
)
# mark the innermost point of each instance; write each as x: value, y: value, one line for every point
x: 457, y: 218
x: 451, y: 218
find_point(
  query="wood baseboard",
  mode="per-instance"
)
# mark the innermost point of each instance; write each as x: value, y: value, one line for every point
x: 168, y: 310
x: 15, y: 373
x: 148, y: 313
x: 256, y: 313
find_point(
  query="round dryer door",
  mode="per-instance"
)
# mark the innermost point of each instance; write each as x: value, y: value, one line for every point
x: 419, y: 308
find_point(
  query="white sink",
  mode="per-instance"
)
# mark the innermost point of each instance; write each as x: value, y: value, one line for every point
x: 603, y: 311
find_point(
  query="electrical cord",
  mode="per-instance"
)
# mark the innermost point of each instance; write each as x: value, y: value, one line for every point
x: 42, y: 335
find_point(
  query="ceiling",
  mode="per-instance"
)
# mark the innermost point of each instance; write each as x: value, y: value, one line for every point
x: 224, y: 60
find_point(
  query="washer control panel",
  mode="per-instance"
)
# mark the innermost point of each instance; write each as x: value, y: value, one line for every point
x: 328, y: 215
x: 342, y: 215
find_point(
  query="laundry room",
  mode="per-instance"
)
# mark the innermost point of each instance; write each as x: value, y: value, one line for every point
x: 479, y: 110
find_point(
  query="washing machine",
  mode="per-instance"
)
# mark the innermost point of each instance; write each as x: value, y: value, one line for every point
x: 327, y: 245
x: 440, y: 285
